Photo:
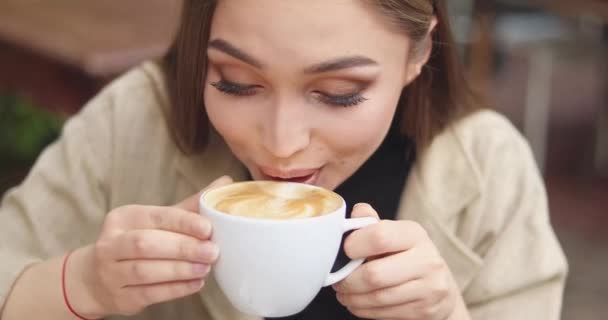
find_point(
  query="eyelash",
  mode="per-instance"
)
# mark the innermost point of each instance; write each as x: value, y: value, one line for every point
x: 349, y: 100
x: 239, y: 90
x: 234, y: 89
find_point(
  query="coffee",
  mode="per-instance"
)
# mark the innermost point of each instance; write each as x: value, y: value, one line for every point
x: 273, y: 200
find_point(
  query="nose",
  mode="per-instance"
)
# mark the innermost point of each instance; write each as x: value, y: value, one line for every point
x: 285, y: 132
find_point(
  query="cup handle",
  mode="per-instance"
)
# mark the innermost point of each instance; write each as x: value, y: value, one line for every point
x: 349, y: 224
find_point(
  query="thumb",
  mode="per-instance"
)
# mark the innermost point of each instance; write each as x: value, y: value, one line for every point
x: 361, y: 210
x: 191, y: 203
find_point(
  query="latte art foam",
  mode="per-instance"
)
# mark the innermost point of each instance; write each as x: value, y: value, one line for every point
x: 273, y: 200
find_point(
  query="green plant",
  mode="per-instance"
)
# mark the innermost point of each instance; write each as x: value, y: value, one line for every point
x: 25, y: 129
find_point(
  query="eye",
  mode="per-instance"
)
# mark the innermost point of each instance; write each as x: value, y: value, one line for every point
x: 235, y: 89
x: 344, y: 100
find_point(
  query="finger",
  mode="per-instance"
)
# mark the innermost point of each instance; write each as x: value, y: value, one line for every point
x: 400, y: 294
x: 160, y: 218
x: 145, y: 272
x: 384, y: 273
x: 414, y: 310
x: 152, y: 294
x: 191, y: 203
x: 387, y: 236
x: 159, y: 244
x: 392, y: 312
x: 361, y: 210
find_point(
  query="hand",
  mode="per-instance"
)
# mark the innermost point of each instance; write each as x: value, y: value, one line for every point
x: 404, y: 278
x: 144, y: 255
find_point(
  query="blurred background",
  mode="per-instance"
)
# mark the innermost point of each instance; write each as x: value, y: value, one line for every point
x: 542, y: 63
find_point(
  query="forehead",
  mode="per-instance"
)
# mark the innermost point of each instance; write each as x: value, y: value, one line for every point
x: 306, y: 30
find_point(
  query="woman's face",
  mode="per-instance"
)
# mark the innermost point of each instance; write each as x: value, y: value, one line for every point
x: 304, y: 90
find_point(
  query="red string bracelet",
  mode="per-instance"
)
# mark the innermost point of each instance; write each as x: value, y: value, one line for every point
x: 65, y: 295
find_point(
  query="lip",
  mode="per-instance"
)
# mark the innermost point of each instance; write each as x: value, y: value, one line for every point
x: 307, y: 176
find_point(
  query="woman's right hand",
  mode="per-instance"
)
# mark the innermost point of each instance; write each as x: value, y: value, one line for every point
x: 144, y: 255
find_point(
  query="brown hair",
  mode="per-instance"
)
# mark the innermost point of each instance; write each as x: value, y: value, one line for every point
x: 438, y: 97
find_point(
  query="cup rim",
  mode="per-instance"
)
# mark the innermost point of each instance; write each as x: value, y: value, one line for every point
x: 209, y: 209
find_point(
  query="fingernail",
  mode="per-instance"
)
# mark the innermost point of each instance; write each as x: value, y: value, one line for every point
x: 222, y: 180
x: 209, y: 252
x: 204, y: 228
x: 196, y: 284
x: 361, y: 204
x: 200, y: 269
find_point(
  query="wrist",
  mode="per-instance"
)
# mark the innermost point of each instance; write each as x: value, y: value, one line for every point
x: 460, y: 311
x: 81, y: 285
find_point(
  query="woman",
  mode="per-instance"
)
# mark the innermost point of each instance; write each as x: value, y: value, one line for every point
x: 363, y: 97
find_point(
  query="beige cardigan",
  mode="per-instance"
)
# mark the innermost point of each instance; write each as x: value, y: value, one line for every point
x: 476, y: 190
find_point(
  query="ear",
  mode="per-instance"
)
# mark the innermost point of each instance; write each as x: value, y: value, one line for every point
x: 420, y: 55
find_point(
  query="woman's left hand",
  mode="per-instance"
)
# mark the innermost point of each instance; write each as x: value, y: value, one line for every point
x: 405, y: 276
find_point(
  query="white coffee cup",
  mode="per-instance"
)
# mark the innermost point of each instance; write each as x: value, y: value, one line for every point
x: 275, y: 268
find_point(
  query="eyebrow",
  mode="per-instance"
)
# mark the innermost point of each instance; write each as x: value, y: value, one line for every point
x: 323, y: 67
x: 341, y: 63
x: 229, y: 49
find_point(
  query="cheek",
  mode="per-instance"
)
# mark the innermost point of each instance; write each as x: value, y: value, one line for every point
x: 234, y: 129
x: 360, y: 131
